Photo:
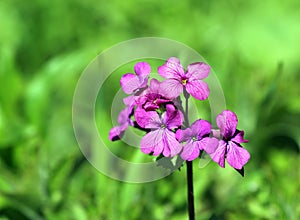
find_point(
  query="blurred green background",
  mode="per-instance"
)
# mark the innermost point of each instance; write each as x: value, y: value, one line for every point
x: 253, y: 46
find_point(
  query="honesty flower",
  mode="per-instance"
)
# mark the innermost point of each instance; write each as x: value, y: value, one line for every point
x: 229, y: 146
x: 124, y: 121
x: 177, y: 79
x: 133, y: 83
x: 196, y: 138
x: 161, y: 138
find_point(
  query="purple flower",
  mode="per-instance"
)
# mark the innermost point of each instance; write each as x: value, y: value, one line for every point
x: 161, y: 138
x: 153, y: 97
x: 116, y: 133
x: 229, y: 147
x: 177, y: 79
x: 132, y: 83
x: 196, y: 138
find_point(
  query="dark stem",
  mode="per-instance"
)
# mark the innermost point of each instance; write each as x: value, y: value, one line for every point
x: 189, y: 166
x: 190, y: 189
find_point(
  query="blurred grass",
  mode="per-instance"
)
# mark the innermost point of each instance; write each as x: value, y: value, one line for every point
x: 253, y: 47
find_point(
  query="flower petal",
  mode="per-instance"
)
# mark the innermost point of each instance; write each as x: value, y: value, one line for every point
x: 208, y: 144
x: 172, y: 117
x: 197, y: 70
x: 237, y: 156
x: 198, y: 89
x: 190, y: 151
x: 116, y: 133
x: 147, y: 119
x: 171, y: 69
x: 239, y: 137
x: 200, y: 128
x: 129, y: 83
x: 219, y: 154
x: 142, y: 69
x: 184, y: 135
x: 227, y: 122
x: 170, y: 144
x: 171, y: 88
x: 152, y: 142
x: 124, y: 115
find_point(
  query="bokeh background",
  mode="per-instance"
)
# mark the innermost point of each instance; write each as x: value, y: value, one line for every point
x: 253, y: 47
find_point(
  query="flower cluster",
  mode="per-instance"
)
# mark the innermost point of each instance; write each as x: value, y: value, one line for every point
x: 156, y: 108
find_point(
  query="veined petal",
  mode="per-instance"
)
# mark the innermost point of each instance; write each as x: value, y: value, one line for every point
x: 171, y: 69
x: 190, y: 151
x: 142, y: 69
x: 172, y: 117
x: 237, y: 156
x: 171, y: 88
x: 239, y: 137
x: 198, y: 89
x: 201, y: 128
x: 147, y: 119
x: 129, y: 83
x: 219, y: 154
x: 197, y: 70
x: 184, y: 135
x: 170, y: 144
x: 208, y: 144
x: 152, y: 142
x: 227, y: 122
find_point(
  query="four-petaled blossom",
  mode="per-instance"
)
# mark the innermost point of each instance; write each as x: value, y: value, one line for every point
x: 132, y: 83
x: 177, y: 79
x: 161, y: 138
x: 196, y: 138
x: 229, y: 146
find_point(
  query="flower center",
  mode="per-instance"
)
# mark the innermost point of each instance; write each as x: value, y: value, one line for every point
x: 184, y: 81
x: 194, y: 138
x: 163, y: 126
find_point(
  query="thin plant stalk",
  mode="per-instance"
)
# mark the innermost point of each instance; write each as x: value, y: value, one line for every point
x: 189, y: 167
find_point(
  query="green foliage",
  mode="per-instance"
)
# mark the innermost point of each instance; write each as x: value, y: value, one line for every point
x: 44, y: 47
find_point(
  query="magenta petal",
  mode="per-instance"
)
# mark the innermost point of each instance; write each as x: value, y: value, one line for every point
x: 129, y: 100
x: 172, y: 117
x: 190, y: 151
x: 184, y: 135
x: 171, y: 69
x: 198, y: 89
x: 227, y: 122
x: 208, y: 144
x: 124, y: 115
x: 116, y: 133
x: 170, y: 144
x: 171, y: 88
x: 237, y: 156
x: 201, y: 128
x: 219, y: 155
x: 198, y: 70
x: 239, y: 137
x: 129, y: 83
x: 149, y: 119
x: 154, y: 86
x: 142, y: 69
x: 152, y: 142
